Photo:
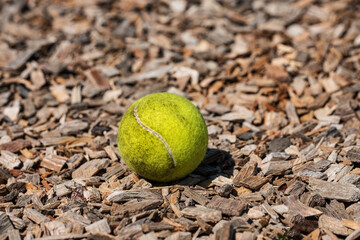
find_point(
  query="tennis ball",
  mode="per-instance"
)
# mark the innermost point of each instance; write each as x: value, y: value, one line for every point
x: 162, y: 137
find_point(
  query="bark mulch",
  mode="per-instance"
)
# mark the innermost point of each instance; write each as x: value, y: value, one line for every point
x: 276, y: 81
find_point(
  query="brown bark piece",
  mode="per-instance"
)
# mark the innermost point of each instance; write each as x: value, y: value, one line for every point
x: 100, y: 226
x: 53, y: 162
x: 35, y: 216
x: 137, y: 207
x: 90, y: 168
x: 15, y: 146
x: 296, y: 207
x: 338, y: 191
x: 207, y: 214
x: 97, y: 79
x: 334, y: 225
x: 195, y: 196
x: 253, y: 182
x: 227, y: 206
x: 5, y: 225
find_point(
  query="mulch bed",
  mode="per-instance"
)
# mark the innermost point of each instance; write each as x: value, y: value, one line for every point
x: 276, y: 81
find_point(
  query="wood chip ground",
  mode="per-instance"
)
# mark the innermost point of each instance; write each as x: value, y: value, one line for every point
x: 278, y: 84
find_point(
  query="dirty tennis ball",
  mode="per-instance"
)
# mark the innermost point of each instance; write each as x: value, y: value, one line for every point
x: 162, y: 137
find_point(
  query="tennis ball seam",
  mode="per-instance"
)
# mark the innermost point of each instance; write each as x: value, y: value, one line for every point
x: 156, y: 134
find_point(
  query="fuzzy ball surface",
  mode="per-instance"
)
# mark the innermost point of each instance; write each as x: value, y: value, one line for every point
x: 162, y: 137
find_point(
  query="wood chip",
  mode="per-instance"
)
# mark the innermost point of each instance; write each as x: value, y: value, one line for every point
x: 276, y: 168
x: 9, y: 160
x: 253, y: 182
x: 15, y: 146
x: 35, y: 216
x: 227, y: 206
x: 296, y: 207
x: 99, y: 226
x: 53, y: 162
x: 134, y: 208
x: 5, y: 225
x: 207, y: 214
x: 195, y: 196
x: 97, y: 79
x: 334, y: 225
x: 90, y: 168
x: 338, y: 191
x: 124, y: 196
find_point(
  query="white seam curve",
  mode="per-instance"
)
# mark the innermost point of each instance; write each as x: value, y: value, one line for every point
x: 155, y: 134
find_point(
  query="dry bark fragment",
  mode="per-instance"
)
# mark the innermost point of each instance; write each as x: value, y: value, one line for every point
x: 5, y: 225
x: 124, y: 196
x: 35, y: 216
x: 53, y: 162
x: 207, y: 228
x: 158, y: 73
x: 332, y: 60
x: 353, y: 155
x: 333, y: 190
x: 37, y: 78
x: 296, y: 207
x: 60, y: 93
x: 227, y: 206
x: 110, y: 152
x: 291, y: 113
x: 227, y: 232
x: 207, y: 214
x: 75, y: 218
x: 56, y: 228
x: 9, y: 159
x: 336, y: 171
x: 354, y: 235
x: 95, y: 153
x: 48, y: 141
x: 101, y: 226
x: 15, y: 146
x: 277, y: 73
x: 276, y: 156
x: 153, y: 226
x: 97, y: 79
x: 137, y: 207
x: 249, y: 169
x: 319, y: 102
x: 90, y: 168
x: 337, y: 210
x: 253, y: 182
x: 296, y: 188
x: 179, y: 236
x: 270, y: 211
x: 195, y: 196
x: 22, y: 57
x: 276, y: 168
x: 75, y: 160
x: 14, y: 235
x: 4, y: 176
x: 73, y: 127
x: 115, y: 171
x: 334, y: 225
x: 64, y: 237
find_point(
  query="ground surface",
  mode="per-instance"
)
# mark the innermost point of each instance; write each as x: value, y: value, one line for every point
x: 277, y: 83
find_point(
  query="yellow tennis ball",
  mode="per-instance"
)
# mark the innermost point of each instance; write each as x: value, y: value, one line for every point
x: 162, y: 137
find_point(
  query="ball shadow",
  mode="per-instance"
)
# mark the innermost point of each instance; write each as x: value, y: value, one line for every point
x: 216, y: 163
